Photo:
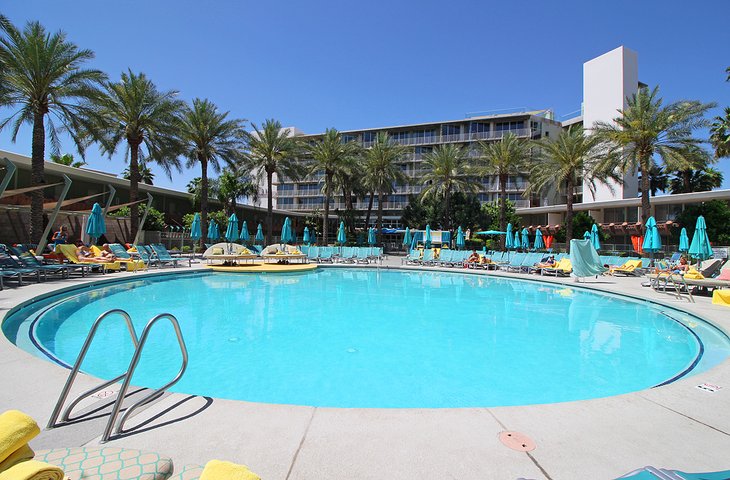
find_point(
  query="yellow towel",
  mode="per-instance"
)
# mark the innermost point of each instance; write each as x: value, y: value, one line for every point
x: 32, y: 470
x: 693, y: 274
x: 16, y: 430
x: 721, y: 297
x: 21, y: 454
x: 220, y: 470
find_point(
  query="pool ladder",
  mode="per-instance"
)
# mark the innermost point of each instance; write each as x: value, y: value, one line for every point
x: 113, y: 426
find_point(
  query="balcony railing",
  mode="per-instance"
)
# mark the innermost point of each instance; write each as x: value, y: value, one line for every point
x: 459, y: 137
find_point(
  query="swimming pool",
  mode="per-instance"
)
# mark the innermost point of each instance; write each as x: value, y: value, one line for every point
x: 377, y: 338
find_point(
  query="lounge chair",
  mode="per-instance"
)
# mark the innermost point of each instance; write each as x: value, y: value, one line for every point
x: 123, y: 256
x: 130, y: 264
x: 69, y: 252
x: 325, y: 254
x: 10, y: 273
x: 313, y: 253
x: 413, y: 257
x: 163, y: 257
x: 362, y: 255
x: 631, y: 267
x: 514, y: 262
x: 10, y: 265
x: 428, y: 257
x: 347, y: 255
x: 446, y: 257
x: 28, y: 260
x: 563, y: 268
x: 653, y: 473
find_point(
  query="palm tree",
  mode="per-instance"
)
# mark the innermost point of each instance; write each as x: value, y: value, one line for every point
x: 646, y: 128
x: 564, y: 163
x: 382, y: 171
x: 134, y: 112
x: 210, y: 138
x: 447, y: 172
x: 231, y: 186
x: 720, y: 134
x: 42, y: 75
x: 506, y: 157
x: 692, y: 162
x: 272, y: 150
x: 349, y: 181
x: 146, y: 175
x: 330, y: 156
x: 68, y: 160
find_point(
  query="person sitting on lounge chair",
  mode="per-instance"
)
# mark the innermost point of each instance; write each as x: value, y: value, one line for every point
x: 84, y: 253
x: 549, y: 263
x: 473, y: 258
x: 678, y: 269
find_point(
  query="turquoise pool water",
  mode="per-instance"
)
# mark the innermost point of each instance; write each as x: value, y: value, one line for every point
x: 369, y: 338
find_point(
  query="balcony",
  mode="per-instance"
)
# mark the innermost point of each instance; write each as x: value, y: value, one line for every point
x: 460, y: 137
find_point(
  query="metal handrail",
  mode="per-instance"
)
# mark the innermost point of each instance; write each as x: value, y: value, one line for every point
x: 112, y: 425
x: 77, y: 366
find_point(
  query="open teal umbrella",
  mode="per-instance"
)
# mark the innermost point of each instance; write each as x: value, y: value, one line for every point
x: 539, y: 243
x: 371, y: 237
x: 509, y: 242
x: 683, y: 240
x: 407, y: 239
x: 700, y: 247
x: 96, y: 226
x: 341, y: 236
x: 286, y: 235
x: 245, y: 237
x: 259, y: 238
x: 306, y: 239
x: 460, y: 239
x: 595, y: 237
x: 196, y: 233
x: 525, y: 238
x: 427, y: 238
x: 232, y: 230
x: 517, y: 242
x: 213, y: 233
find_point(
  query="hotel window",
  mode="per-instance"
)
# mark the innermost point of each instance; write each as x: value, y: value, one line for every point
x: 347, y: 137
x: 450, y: 129
x: 505, y: 126
x: 478, y: 127
x: 369, y: 136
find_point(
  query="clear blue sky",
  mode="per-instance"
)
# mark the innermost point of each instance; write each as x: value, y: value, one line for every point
x: 348, y: 65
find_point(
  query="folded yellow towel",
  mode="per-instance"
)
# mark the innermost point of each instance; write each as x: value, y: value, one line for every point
x: 32, y: 470
x: 693, y: 274
x: 220, y: 470
x: 21, y: 454
x: 16, y: 430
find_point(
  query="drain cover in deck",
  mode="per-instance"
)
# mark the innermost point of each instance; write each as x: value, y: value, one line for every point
x: 517, y: 441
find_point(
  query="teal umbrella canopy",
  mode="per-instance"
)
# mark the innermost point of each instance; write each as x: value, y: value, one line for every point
x: 213, y: 233
x: 245, y: 237
x: 525, y: 238
x: 683, y: 240
x: 306, y: 239
x: 341, y: 236
x: 427, y: 237
x: 232, y: 230
x: 595, y: 237
x: 259, y: 238
x: 700, y: 247
x: 407, y: 239
x: 286, y: 233
x: 371, y: 236
x: 586, y: 235
x: 460, y: 239
x: 509, y: 242
x: 96, y: 226
x: 652, y: 240
x: 196, y: 233
x: 490, y: 232
x: 539, y: 243
x: 517, y: 242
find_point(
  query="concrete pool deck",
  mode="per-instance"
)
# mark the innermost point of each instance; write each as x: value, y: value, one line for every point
x: 676, y: 426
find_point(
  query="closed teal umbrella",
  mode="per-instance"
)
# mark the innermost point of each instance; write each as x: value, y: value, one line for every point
x: 407, y: 239
x: 586, y: 235
x: 245, y: 237
x: 427, y: 238
x: 341, y: 236
x: 539, y: 243
x: 96, y: 226
x: 683, y: 240
x: 232, y: 230
x: 700, y: 247
x: 306, y: 239
x: 259, y: 238
x: 517, y: 242
x: 595, y: 237
x: 652, y: 240
x: 286, y: 235
x: 460, y: 239
x: 371, y: 236
x: 196, y: 233
x: 525, y: 238
x: 213, y: 233
x: 509, y: 242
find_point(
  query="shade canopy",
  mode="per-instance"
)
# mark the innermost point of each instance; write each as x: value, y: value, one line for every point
x: 595, y: 237
x: 259, y: 238
x: 96, y: 227
x: 286, y: 232
x: 232, y: 230
x: 427, y: 237
x: 539, y: 243
x: 517, y: 242
x: 213, y: 233
x: 652, y: 240
x: 245, y: 236
x: 700, y: 247
x: 341, y: 236
x: 509, y: 241
x: 525, y: 238
x: 407, y: 239
x: 371, y: 236
x: 306, y: 238
x: 490, y: 232
x: 683, y: 240
x: 460, y: 239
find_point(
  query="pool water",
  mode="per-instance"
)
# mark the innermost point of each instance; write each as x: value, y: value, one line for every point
x: 377, y: 338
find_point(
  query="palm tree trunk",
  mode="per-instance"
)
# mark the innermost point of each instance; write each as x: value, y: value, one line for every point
x: 379, y: 228
x: 568, y: 213
x: 203, y: 197
x: 645, y: 185
x: 134, y: 187
x: 687, y: 180
x: 38, y: 157
x: 270, y: 208
x: 502, y: 205
x: 370, y: 209
x: 447, y: 207
x: 325, y: 220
